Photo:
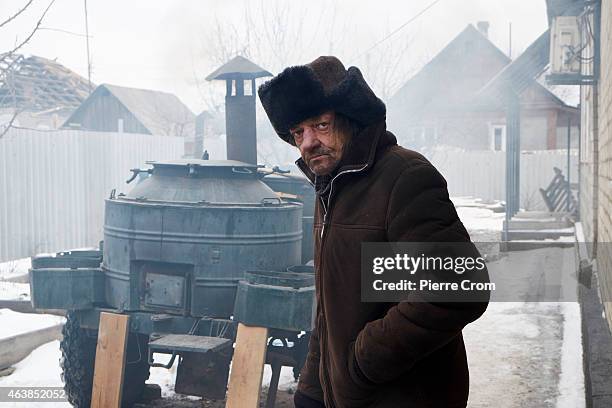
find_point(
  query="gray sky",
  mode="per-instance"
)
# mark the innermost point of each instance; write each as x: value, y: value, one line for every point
x: 166, y: 45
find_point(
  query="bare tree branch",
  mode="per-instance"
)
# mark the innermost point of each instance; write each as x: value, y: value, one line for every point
x: 268, y: 33
x: 14, y: 16
x: 7, y: 56
x: 29, y: 37
x: 9, y: 125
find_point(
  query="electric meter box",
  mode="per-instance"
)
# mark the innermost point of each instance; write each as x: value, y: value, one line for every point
x: 565, y: 45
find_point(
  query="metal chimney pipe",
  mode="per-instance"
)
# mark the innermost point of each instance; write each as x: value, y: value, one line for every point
x: 240, y: 124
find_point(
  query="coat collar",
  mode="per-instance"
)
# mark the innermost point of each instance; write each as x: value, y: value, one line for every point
x: 361, y: 151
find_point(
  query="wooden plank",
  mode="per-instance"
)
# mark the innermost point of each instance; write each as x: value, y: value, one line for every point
x: 190, y: 343
x: 247, y: 367
x: 110, y: 360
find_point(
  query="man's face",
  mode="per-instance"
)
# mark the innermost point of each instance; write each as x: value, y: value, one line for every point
x: 320, y: 146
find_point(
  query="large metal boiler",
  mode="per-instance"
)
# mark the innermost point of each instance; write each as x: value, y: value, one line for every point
x: 181, y: 240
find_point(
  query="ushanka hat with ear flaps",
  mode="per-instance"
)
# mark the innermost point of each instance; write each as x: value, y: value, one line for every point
x: 305, y: 91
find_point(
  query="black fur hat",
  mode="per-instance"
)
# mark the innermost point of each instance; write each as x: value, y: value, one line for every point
x: 304, y: 91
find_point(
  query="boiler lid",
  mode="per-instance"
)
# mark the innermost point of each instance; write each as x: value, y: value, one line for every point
x: 203, y: 181
x: 182, y: 163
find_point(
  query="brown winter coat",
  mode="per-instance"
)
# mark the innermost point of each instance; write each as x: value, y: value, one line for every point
x: 383, y: 354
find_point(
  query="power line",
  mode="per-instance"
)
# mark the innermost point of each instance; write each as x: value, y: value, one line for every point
x: 60, y: 30
x: 419, y: 14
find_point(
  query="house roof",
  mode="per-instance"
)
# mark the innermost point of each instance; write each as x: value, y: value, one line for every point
x: 454, y: 79
x: 159, y: 112
x: 37, y: 84
x: 456, y: 73
x: 238, y: 67
x: 519, y: 74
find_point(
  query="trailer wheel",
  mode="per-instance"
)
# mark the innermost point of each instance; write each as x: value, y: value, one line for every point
x: 78, y: 348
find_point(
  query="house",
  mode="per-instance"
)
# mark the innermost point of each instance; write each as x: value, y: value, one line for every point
x: 112, y: 108
x: 588, y: 68
x: 40, y: 92
x: 447, y: 103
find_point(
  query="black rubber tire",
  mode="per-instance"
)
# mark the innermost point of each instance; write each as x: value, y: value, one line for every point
x: 78, y: 348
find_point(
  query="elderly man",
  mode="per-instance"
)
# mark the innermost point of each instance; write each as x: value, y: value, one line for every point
x: 369, y: 189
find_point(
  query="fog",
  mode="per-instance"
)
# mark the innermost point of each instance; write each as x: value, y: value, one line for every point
x: 172, y: 45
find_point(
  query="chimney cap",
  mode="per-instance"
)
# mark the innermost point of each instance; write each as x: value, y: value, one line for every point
x: 483, y: 27
x: 238, y: 68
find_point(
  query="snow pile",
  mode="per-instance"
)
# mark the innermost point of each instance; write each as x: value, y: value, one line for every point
x: 14, y: 291
x: 14, y: 268
x: 477, y: 215
x: 39, y: 369
x: 14, y: 323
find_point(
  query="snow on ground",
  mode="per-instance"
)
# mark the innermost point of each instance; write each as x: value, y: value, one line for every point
x: 286, y: 381
x: 13, y: 323
x: 39, y: 369
x: 527, y: 354
x: 14, y: 268
x: 571, y: 382
x: 14, y: 291
x: 570, y: 238
x: 477, y: 215
x: 514, y: 356
x: 163, y: 377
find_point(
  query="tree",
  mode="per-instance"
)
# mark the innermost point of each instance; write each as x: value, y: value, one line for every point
x: 8, y: 60
x: 277, y: 34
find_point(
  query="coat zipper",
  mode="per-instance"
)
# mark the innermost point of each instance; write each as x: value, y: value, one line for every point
x: 322, y: 335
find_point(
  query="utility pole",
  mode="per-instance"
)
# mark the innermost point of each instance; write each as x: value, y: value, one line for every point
x: 87, y: 42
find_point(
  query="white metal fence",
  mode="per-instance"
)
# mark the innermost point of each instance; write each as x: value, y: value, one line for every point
x: 53, y: 184
x: 482, y: 173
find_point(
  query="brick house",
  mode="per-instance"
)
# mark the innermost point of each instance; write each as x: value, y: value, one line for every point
x: 595, y: 199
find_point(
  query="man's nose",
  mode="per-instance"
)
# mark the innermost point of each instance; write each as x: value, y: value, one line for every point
x: 310, y: 140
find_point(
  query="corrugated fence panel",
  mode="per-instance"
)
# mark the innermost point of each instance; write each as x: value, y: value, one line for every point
x: 53, y: 184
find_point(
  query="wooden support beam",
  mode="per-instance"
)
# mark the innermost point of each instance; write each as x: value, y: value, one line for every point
x: 247, y: 367
x: 110, y: 360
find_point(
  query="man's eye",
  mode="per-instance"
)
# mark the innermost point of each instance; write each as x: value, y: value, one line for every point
x: 322, y: 125
x: 297, y: 134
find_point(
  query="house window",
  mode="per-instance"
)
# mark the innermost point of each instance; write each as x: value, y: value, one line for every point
x: 498, y: 138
